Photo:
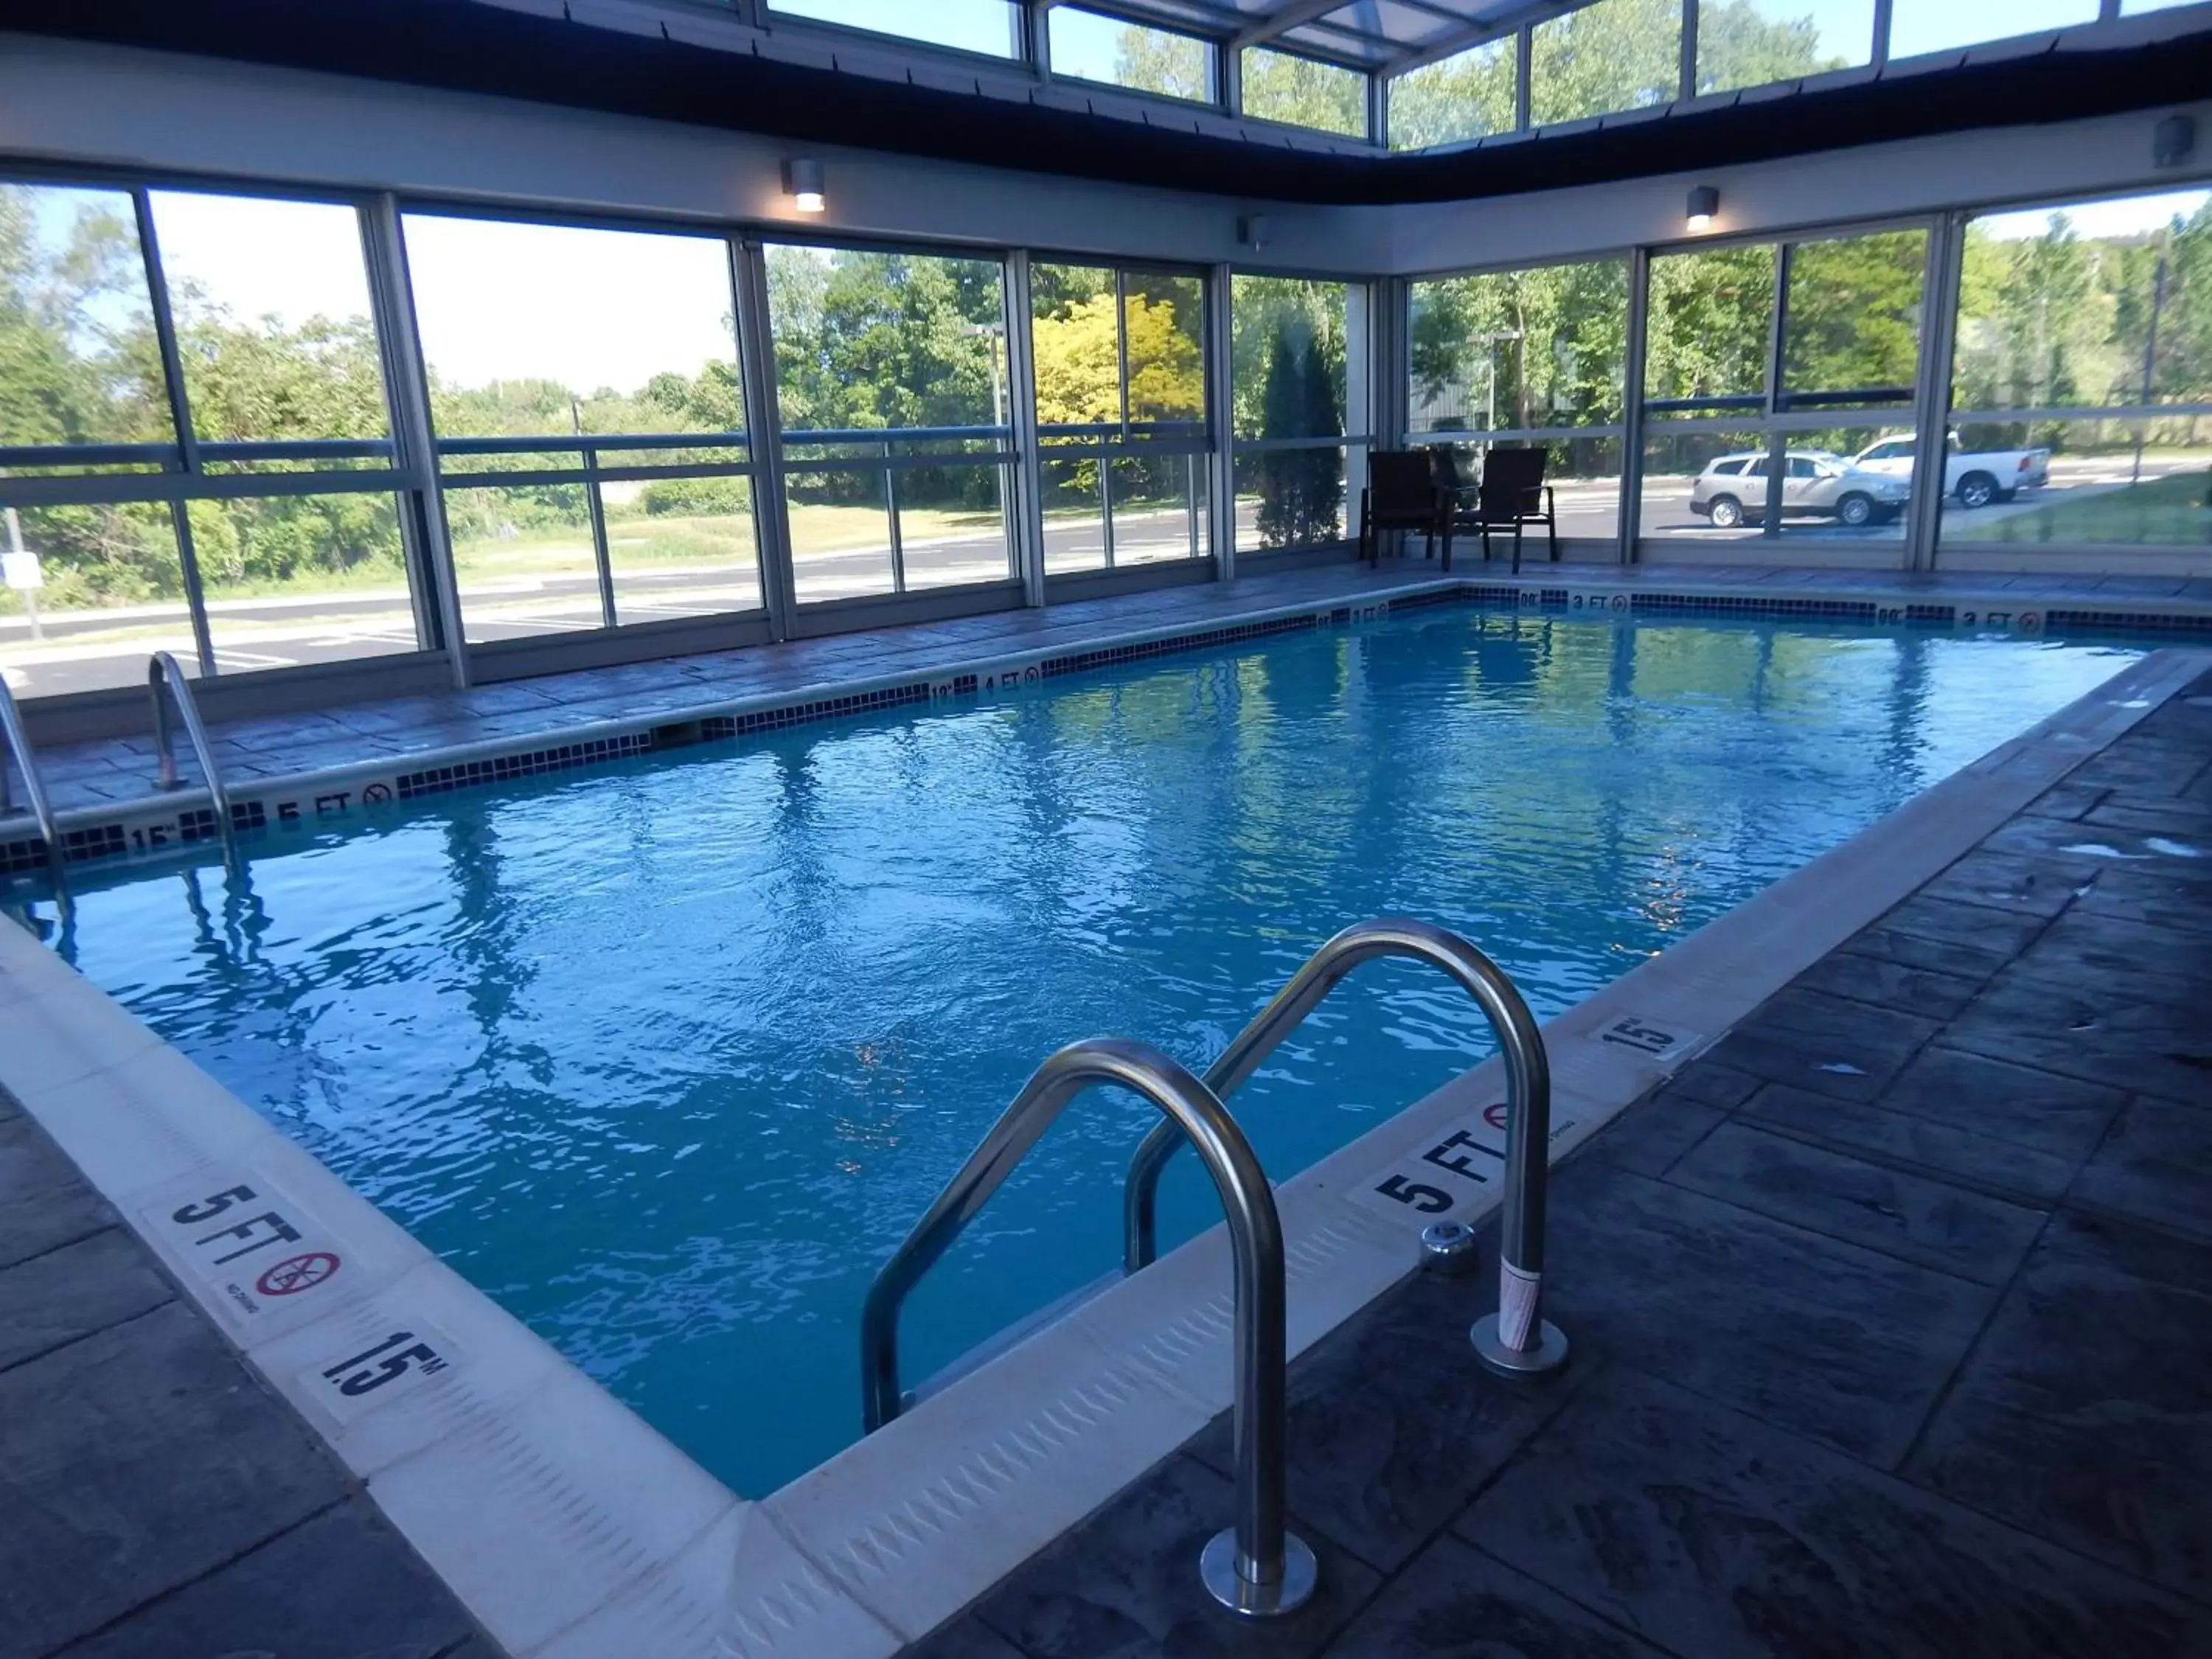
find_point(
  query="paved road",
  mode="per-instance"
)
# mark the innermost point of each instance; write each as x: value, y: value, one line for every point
x: 86, y: 650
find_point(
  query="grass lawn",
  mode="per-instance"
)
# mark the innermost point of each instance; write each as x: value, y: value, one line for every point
x: 2168, y: 511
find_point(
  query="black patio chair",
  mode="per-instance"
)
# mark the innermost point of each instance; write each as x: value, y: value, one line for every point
x: 1512, y: 495
x: 1402, y: 494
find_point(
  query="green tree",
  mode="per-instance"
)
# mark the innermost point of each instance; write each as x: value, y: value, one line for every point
x: 1741, y: 46
x: 1159, y: 61
x: 1305, y: 92
x: 1456, y: 100
x: 1614, y: 55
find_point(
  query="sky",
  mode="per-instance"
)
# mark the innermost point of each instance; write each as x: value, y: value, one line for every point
x: 495, y: 300
x: 986, y: 26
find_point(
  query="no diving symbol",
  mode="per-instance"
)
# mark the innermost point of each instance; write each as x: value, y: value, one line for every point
x: 1494, y: 1116
x: 375, y: 793
x: 296, y: 1273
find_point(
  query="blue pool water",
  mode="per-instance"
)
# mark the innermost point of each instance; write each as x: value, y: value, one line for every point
x: 667, y: 1056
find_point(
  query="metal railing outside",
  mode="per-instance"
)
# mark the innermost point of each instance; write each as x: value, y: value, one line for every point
x: 1257, y: 1567
x: 1517, y: 1339
x: 163, y: 668
x: 34, y: 787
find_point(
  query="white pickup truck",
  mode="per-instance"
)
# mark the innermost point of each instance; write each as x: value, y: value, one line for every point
x: 1975, y: 477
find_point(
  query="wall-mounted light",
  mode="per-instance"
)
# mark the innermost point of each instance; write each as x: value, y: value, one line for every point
x: 1704, y: 207
x: 802, y: 182
x: 1252, y: 231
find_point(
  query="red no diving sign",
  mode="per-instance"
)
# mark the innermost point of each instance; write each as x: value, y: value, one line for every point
x: 297, y: 1273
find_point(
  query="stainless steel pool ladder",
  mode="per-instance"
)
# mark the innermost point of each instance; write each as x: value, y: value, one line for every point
x: 1257, y: 1567
x: 1516, y: 1340
x: 34, y: 786
x: 163, y: 669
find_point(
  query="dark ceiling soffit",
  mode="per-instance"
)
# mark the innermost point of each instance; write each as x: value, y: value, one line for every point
x: 463, y: 46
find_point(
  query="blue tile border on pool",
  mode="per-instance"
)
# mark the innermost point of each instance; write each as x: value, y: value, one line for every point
x: 132, y: 833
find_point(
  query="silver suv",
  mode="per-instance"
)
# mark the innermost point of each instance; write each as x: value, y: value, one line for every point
x: 1732, y: 490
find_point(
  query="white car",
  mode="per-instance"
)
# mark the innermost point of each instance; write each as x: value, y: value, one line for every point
x: 1975, y: 477
x: 1732, y: 490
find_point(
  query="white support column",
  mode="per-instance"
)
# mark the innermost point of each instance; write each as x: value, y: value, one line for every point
x: 1229, y: 73
x: 1931, y: 404
x: 431, y: 549
x: 1632, y: 407
x: 1027, y: 507
x: 764, y: 424
x: 1221, y: 394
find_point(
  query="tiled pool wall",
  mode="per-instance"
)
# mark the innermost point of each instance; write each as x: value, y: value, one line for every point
x: 154, y: 827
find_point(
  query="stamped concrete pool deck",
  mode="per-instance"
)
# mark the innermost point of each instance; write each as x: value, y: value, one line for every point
x: 160, y: 1503
x: 1891, y: 1318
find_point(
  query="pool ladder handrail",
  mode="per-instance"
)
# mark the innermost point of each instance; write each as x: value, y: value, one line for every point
x: 1257, y: 1567
x: 1516, y: 1340
x: 163, y: 667
x: 34, y: 784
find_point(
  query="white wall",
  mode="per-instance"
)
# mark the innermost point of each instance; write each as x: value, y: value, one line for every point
x: 69, y: 101
x: 2028, y: 164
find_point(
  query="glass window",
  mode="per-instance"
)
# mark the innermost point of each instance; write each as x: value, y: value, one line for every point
x: 623, y: 337
x: 90, y: 590
x: 1304, y: 92
x: 298, y: 578
x: 1121, y: 380
x: 992, y: 27
x: 562, y: 330
x: 891, y: 368
x: 1092, y: 47
x: 1293, y: 356
x: 273, y: 318
x: 1919, y: 26
x: 1851, y: 329
x: 76, y: 326
x: 1712, y: 313
x: 1751, y: 43
x: 1520, y: 349
x: 2062, y: 311
x: 1614, y: 55
x: 1456, y: 100
x: 1514, y: 352
x: 275, y: 338
x: 1702, y: 484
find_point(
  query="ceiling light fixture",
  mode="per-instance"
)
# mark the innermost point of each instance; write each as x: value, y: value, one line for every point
x: 802, y: 182
x: 1705, y: 206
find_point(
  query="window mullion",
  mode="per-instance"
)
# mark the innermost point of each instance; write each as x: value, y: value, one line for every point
x: 180, y: 414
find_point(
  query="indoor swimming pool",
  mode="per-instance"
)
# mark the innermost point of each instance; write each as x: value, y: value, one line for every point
x: 668, y: 1055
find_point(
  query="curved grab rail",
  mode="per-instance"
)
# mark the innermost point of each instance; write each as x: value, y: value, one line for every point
x: 1273, y: 1571
x: 163, y: 666
x: 1523, y: 1342
x: 42, y: 809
